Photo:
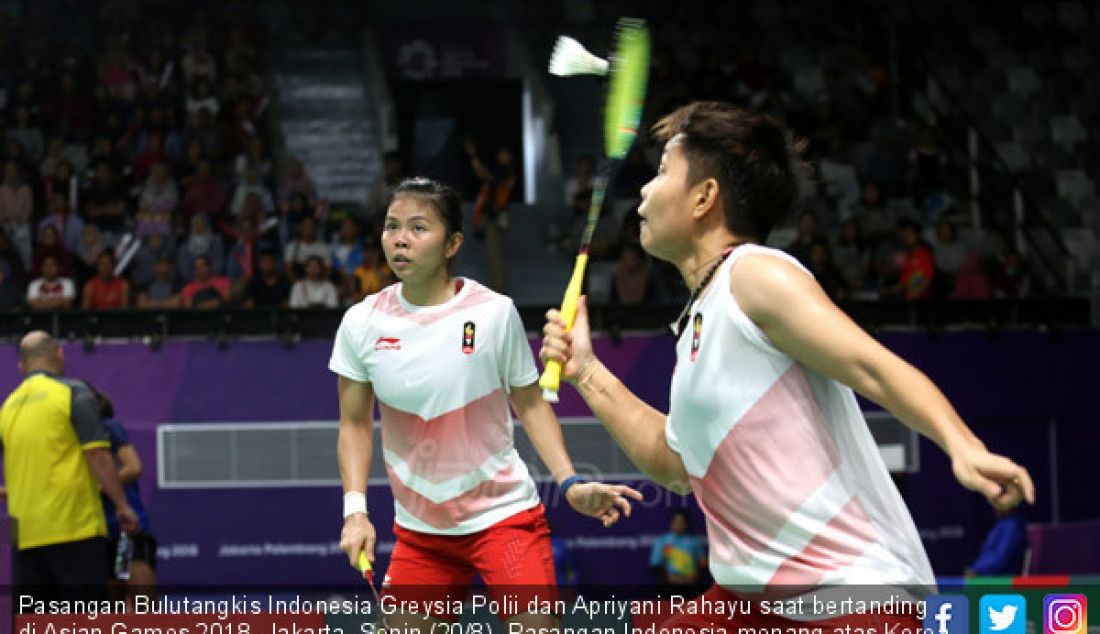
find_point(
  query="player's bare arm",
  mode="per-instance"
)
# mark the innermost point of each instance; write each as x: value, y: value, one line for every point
x: 799, y: 319
x: 638, y: 428
x: 353, y: 452
x: 102, y: 466
x: 605, y: 502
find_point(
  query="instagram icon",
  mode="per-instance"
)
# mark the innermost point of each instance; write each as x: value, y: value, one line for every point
x: 1065, y: 614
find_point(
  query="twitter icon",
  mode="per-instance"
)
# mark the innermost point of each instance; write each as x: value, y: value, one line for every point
x: 1002, y: 614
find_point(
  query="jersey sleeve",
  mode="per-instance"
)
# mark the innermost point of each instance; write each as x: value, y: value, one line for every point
x: 347, y: 350
x: 117, y: 434
x: 84, y: 414
x: 517, y: 362
x: 670, y: 436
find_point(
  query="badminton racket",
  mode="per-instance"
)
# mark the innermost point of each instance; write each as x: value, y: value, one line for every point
x: 628, y: 72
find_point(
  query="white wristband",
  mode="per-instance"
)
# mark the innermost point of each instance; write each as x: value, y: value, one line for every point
x: 354, y: 502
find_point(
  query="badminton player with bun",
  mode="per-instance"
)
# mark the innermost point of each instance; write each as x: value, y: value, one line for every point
x: 444, y: 356
x: 763, y: 425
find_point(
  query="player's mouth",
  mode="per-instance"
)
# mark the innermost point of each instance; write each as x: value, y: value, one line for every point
x: 401, y: 261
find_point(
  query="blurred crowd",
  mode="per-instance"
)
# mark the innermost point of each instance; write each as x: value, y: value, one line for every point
x: 137, y: 171
x: 882, y: 217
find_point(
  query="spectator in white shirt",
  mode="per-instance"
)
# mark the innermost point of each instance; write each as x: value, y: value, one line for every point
x: 314, y: 290
x: 306, y: 246
x: 51, y: 291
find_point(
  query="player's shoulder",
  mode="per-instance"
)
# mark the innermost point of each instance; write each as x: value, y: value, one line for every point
x: 359, y: 313
x: 759, y: 263
x: 477, y: 293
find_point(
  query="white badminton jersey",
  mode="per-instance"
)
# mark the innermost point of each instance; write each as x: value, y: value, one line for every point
x: 781, y: 460
x: 441, y: 375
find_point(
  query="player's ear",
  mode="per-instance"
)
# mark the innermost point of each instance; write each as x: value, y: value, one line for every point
x: 450, y: 249
x: 704, y: 197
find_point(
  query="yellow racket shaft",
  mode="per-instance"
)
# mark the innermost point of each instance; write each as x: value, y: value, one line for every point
x: 551, y: 376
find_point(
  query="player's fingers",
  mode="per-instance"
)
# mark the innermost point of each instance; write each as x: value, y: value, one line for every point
x: 626, y: 491
x: 1026, y: 485
x: 558, y: 343
x: 580, y: 322
x: 368, y: 548
x: 351, y: 547
x: 623, y: 504
x: 1015, y: 476
x: 1007, y: 471
x: 997, y: 466
x: 612, y: 517
x: 549, y: 354
x: 987, y: 487
x: 556, y: 332
x: 553, y: 316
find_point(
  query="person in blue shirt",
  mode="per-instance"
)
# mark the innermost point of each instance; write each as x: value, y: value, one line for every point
x: 678, y: 556
x: 1004, y: 547
x: 142, y: 569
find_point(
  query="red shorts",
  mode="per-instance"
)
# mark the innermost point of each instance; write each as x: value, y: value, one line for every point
x: 697, y: 618
x: 430, y: 572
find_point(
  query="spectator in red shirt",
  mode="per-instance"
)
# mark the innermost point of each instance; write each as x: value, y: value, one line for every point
x: 919, y: 267
x: 106, y: 291
x: 207, y: 290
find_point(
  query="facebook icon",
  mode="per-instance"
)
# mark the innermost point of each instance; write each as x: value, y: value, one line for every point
x: 946, y: 614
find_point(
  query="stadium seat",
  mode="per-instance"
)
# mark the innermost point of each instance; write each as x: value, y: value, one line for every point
x: 1022, y: 80
x: 1010, y: 107
x: 1073, y: 185
x: 1061, y: 212
x: 1029, y: 134
x: 1072, y: 16
x: 809, y: 82
x: 1014, y: 156
x: 1068, y: 131
x: 1082, y: 245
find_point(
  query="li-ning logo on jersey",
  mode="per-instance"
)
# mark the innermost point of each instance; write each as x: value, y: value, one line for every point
x: 387, y: 343
x: 469, y: 331
x: 696, y: 333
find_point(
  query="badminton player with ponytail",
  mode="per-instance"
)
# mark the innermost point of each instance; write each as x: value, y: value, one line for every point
x: 763, y: 425
x: 444, y: 357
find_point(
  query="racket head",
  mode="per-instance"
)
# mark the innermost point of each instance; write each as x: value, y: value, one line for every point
x: 627, y: 86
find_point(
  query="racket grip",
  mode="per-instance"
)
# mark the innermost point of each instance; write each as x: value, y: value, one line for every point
x: 551, y: 375
x: 364, y: 564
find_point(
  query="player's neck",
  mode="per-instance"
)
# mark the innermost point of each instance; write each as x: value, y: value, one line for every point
x: 433, y: 292
x: 704, y: 254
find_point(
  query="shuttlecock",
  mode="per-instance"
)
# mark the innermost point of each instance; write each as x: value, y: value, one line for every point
x: 571, y: 58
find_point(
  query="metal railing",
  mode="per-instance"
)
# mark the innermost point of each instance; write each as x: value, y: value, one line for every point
x: 290, y: 326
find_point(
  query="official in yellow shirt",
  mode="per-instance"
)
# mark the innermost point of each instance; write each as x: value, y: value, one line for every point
x: 56, y: 460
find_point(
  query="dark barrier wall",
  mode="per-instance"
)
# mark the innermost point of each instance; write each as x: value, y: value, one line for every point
x: 1028, y: 394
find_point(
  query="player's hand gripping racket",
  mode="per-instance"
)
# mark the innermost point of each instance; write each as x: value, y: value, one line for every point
x: 628, y: 69
x: 364, y: 567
